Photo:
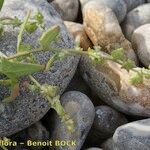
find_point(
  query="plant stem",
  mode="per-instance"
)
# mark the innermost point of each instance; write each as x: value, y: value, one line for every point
x: 22, y: 30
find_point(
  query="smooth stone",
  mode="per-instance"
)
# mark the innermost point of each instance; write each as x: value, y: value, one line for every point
x: 36, y: 132
x: 94, y: 148
x: 134, y: 19
x: 68, y: 10
x: 81, y: 110
x: 79, y: 34
x: 29, y: 107
x: 135, y: 135
x: 106, y: 121
x: 131, y: 4
x: 108, y: 144
x: 102, y: 27
x: 118, y: 6
x: 112, y: 84
x: 141, y: 43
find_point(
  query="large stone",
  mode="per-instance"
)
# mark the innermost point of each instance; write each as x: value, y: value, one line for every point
x: 112, y: 84
x: 135, y: 18
x: 81, y: 110
x: 131, y: 4
x: 79, y: 34
x: 30, y: 107
x: 135, y: 135
x: 118, y: 6
x: 103, y: 29
x: 68, y: 10
x: 141, y: 43
x: 106, y: 121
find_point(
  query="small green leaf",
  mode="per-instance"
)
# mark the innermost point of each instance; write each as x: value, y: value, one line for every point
x: 31, y: 27
x: 25, y: 47
x: 49, y: 36
x: 95, y: 56
x: 39, y: 17
x: 128, y: 65
x: 16, y: 69
x: 137, y: 79
x: 118, y: 54
x: 1, y: 4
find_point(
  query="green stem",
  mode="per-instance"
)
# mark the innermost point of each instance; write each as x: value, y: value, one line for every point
x: 22, y: 30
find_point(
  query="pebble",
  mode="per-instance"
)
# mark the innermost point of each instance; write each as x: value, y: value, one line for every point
x: 79, y: 34
x: 102, y: 27
x: 135, y: 18
x: 68, y: 10
x: 106, y: 121
x: 118, y: 7
x: 135, y: 135
x: 29, y: 107
x: 81, y: 110
x: 112, y: 84
x: 108, y: 144
x: 94, y: 148
x: 36, y: 132
x: 131, y: 4
x: 140, y: 42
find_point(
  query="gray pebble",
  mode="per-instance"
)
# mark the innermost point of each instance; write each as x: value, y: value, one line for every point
x: 94, y: 148
x: 133, y: 136
x: 106, y: 121
x: 131, y: 4
x: 68, y: 9
x: 81, y: 110
x: 108, y: 144
x: 135, y: 18
x: 29, y: 107
x: 140, y: 42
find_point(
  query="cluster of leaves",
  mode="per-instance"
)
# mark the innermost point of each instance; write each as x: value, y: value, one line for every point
x: 119, y: 57
x: 13, y: 68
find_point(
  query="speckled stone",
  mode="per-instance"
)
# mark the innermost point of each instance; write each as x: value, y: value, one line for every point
x: 81, y: 109
x: 118, y: 6
x: 135, y: 18
x: 131, y: 4
x: 68, y: 10
x: 106, y: 121
x: 29, y: 107
x: 140, y: 42
x: 113, y: 86
x: 133, y: 136
x: 102, y: 27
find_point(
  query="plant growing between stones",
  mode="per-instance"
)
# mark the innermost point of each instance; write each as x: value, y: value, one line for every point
x: 25, y: 64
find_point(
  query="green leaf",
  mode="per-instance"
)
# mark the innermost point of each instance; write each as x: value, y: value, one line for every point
x: 118, y: 54
x: 22, y: 29
x: 1, y: 4
x: 95, y: 56
x: 39, y: 17
x: 25, y: 47
x: 31, y: 27
x: 137, y: 79
x: 49, y: 36
x: 16, y: 69
x: 128, y: 65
